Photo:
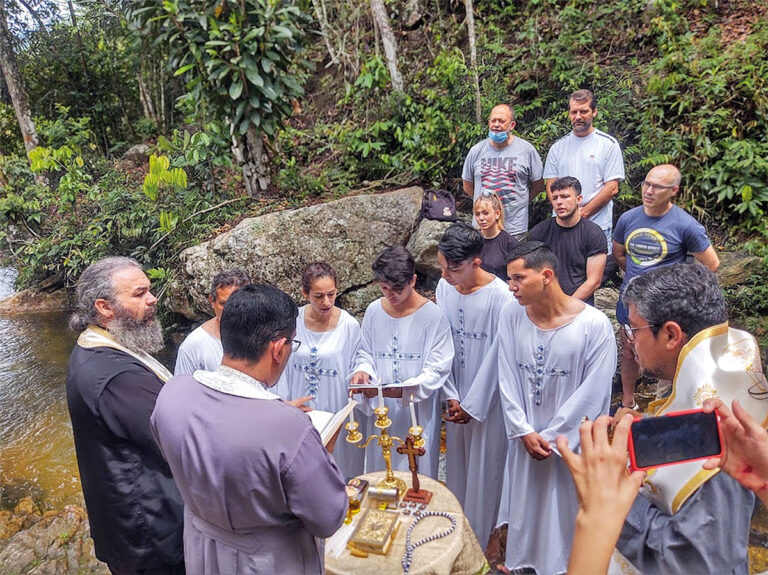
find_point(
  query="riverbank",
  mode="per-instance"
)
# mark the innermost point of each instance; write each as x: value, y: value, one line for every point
x: 54, y: 542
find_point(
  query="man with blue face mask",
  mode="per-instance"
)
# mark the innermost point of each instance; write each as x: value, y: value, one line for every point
x: 506, y: 165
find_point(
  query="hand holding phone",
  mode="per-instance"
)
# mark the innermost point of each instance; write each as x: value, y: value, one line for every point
x: 674, y: 437
x: 745, y: 453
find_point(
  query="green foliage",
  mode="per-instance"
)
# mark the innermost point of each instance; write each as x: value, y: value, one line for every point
x: 93, y: 210
x: 239, y: 59
x: 10, y: 136
x: 203, y: 153
x: 706, y: 110
x: 91, y: 70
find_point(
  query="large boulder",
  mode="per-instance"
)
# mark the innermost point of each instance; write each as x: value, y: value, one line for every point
x: 274, y: 248
x: 735, y: 267
x: 423, y: 246
x: 34, y: 301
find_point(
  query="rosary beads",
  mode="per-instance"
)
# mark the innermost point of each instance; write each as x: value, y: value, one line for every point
x: 411, y: 547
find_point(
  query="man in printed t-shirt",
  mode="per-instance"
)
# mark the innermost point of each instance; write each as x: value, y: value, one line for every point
x: 506, y: 165
x: 651, y: 236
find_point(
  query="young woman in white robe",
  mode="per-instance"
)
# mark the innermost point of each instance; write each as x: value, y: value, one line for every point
x: 320, y: 368
x: 407, y: 341
x: 476, y: 445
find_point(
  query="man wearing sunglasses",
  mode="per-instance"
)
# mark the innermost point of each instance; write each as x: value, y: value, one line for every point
x: 648, y: 237
x: 260, y: 490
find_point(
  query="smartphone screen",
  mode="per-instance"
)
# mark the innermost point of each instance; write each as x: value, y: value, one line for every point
x: 672, y: 438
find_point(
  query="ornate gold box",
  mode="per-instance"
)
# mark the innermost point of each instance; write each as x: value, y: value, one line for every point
x: 375, y: 531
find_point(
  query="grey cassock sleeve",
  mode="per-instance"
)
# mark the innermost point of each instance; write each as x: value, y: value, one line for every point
x: 314, y: 487
x: 709, y: 534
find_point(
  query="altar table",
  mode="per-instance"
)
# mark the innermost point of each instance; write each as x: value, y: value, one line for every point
x: 458, y: 554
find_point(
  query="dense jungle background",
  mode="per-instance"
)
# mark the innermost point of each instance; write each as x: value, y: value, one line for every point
x: 251, y: 106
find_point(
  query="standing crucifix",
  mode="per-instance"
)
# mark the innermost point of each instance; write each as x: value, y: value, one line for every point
x: 415, y: 493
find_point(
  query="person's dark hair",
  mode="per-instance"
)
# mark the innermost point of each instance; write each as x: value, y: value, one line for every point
x: 565, y: 183
x: 315, y: 271
x: 687, y: 294
x: 460, y: 242
x: 535, y: 255
x: 584, y: 96
x: 254, y: 316
x: 394, y: 266
x: 234, y: 277
x: 96, y: 283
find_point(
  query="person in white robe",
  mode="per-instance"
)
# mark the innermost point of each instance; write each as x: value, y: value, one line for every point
x: 406, y: 341
x: 261, y: 492
x: 201, y: 349
x: 319, y: 370
x: 557, y: 358
x: 476, y: 445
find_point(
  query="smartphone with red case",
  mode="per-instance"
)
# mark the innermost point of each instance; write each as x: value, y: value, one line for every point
x: 673, y: 438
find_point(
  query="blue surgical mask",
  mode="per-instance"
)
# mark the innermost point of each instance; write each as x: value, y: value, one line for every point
x: 498, y: 137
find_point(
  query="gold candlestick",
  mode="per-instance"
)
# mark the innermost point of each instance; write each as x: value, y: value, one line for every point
x: 385, y: 441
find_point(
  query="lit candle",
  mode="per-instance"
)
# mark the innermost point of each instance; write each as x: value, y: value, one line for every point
x: 381, y: 396
x: 413, y: 412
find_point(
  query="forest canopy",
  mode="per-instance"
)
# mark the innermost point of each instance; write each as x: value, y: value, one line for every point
x: 258, y: 105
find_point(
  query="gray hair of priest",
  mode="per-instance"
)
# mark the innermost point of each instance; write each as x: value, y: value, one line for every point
x: 96, y: 283
x: 687, y: 294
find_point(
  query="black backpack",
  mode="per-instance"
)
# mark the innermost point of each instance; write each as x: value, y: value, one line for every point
x: 439, y: 205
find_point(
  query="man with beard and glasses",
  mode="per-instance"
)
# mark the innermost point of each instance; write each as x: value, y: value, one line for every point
x: 578, y: 243
x: 592, y: 157
x: 134, y: 508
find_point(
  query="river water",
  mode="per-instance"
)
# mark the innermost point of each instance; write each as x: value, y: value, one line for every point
x: 37, y: 455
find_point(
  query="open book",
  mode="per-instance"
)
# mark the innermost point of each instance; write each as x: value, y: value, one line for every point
x: 327, y: 423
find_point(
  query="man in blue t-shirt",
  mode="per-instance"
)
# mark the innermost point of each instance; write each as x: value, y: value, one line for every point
x: 651, y: 236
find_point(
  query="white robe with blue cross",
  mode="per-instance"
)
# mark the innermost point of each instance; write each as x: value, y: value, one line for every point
x: 416, y: 350
x: 320, y: 368
x: 475, y: 452
x: 549, y: 380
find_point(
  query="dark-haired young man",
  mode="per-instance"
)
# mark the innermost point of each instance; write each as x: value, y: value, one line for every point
x: 259, y: 487
x: 472, y: 299
x: 406, y: 341
x: 556, y: 360
x: 202, y: 347
x: 578, y: 243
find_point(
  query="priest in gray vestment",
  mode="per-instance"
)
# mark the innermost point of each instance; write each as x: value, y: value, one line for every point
x: 260, y: 490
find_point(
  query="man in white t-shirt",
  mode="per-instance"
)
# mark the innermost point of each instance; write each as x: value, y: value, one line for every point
x: 202, y: 348
x: 592, y: 157
x: 507, y: 166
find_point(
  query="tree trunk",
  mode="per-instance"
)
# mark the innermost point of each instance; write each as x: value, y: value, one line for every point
x: 389, y: 42
x: 325, y: 30
x: 15, y: 83
x: 473, y: 59
x: 250, y: 153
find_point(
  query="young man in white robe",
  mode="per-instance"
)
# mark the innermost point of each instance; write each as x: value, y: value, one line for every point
x: 476, y: 446
x: 406, y: 341
x: 557, y: 358
x: 260, y: 490
x: 202, y: 347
